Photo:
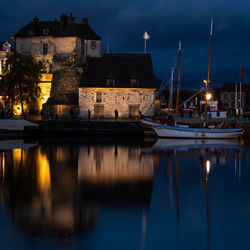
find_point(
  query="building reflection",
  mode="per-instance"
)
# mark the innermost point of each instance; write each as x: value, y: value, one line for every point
x: 59, y: 189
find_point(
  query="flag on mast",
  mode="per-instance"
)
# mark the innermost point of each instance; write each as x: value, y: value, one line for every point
x: 145, y: 37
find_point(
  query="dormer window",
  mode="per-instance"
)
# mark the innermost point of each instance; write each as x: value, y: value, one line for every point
x: 31, y: 32
x: 134, y: 83
x: 6, y: 47
x: 45, y: 32
x: 93, y: 45
x: 110, y: 82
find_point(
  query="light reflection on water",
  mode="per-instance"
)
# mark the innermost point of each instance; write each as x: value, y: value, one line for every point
x: 176, y: 194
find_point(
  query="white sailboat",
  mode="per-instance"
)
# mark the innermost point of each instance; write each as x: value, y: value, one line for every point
x: 168, y: 129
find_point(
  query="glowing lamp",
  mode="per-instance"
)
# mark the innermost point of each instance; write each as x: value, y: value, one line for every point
x: 208, y: 167
x: 208, y: 96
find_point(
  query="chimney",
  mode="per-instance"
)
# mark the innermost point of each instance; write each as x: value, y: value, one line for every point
x: 35, y: 19
x: 85, y: 20
x: 64, y: 19
x: 71, y: 19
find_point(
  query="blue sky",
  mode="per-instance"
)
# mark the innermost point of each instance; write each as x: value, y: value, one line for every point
x: 167, y: 22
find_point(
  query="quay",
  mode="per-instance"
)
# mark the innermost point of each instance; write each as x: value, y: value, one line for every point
x: 59, y: 128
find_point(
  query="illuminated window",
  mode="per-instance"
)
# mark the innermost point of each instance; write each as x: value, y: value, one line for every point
x: 110, y: 82
x: 134, y: 83
x: 99, y: 97
x: 45, y: 49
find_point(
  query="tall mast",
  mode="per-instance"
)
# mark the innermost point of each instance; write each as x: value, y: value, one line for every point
x: 209, y: 62
x: 171, y: 89
x: 178, y: 80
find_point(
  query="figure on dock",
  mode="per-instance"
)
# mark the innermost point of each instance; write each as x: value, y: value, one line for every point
x: 89, y: 114
x: 116, y: 114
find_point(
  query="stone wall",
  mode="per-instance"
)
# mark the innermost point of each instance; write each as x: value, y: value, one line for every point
x: 121, y: 99
x: 34, y: 46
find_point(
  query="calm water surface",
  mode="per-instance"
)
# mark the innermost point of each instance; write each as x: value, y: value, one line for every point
x: 164, y: 194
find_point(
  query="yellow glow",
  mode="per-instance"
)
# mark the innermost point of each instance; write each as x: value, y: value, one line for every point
x: 208, y: 167
x: 208, y: 96
x: 17, y: 155
x: 43, y: 175
x: 18, y: 109
x: 3, y: 166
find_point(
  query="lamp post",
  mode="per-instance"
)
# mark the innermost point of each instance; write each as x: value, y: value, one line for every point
x: 145, y: 37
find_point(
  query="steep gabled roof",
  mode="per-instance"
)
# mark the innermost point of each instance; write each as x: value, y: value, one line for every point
x: 58, y: 29
x: 120, y: 67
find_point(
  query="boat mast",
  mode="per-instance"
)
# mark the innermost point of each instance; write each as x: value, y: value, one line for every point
x: 171, y: 89
x: 209, y: 62
x: 178, y: 80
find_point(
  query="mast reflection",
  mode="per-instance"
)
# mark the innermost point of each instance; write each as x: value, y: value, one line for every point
x: 189, y: 154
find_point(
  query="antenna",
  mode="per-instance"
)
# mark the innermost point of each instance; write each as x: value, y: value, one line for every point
x: 107, y: 44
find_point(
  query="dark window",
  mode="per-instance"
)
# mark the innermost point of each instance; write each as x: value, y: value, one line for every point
x: 134, y: 83
x: 225, y: 97
x: 45, y: 49
x: 93, y: 45
x: 45, y: 32
x: 110, y: 82
x: 232, y: 97
x: 31, y: 32
x: 98, y: 96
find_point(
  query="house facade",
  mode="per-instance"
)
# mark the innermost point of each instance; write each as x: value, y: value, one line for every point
x: 122, y: 82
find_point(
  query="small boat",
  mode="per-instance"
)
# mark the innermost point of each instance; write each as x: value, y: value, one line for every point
x: 168, y: 131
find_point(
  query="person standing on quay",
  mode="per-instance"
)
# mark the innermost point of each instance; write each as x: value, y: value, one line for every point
x: 116, y: 114
x: 89, y: 114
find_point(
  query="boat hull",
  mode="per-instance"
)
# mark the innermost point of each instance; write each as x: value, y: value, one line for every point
x: 166, y: 131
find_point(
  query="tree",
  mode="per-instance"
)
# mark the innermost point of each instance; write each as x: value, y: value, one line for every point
x: 21, y: 78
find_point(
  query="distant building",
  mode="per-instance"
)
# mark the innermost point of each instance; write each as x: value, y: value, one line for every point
x: 4, y: 49
x: 122, y: 82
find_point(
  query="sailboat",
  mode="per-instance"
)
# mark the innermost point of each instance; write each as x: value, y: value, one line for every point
x: 170, y: 128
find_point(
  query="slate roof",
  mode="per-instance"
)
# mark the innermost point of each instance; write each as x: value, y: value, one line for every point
x: 58, y: 29
x: 120, y: 67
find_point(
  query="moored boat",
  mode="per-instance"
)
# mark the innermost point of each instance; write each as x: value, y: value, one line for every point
x: 168, y: 131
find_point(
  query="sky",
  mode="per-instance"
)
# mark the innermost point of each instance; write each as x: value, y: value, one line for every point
x: 167, y: 22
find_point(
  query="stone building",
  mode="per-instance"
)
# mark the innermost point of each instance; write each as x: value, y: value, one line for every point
x: 63, y: 45
x: 117, y: 81
x: 82, y: 78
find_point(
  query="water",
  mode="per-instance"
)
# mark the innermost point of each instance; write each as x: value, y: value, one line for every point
x: 164, y: 194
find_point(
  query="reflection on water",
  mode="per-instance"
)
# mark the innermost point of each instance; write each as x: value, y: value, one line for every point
x: 143, y: 190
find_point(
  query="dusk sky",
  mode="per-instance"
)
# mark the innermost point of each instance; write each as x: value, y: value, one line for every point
x: 167, y: 22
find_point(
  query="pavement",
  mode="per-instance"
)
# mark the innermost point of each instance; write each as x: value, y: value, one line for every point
x: 15, y: 124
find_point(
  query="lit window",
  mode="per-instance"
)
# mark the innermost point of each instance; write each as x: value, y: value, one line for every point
x: 45, y: 49
x: 134, y: 83
x: 93, y: 45
x: 98, y: 96
x: 110, y: 82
